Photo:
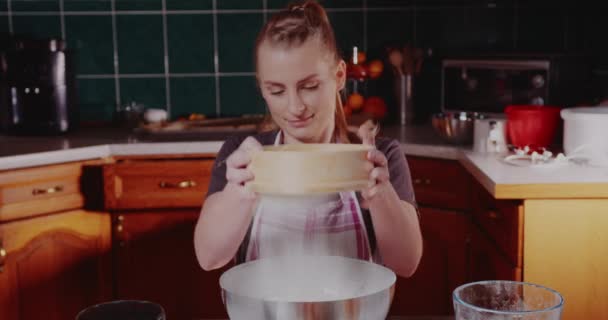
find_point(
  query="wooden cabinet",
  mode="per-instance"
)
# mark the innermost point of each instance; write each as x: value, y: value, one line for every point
x: 468, y: 236
x: 54, y: 266
x: 155, y: 204
x: 35, y: 191
x: 487, y: 262
x: 442, y: 268
x: 156, y: 183
x: 501, y: 221
x: 440, y: 183
x: 154, y: 260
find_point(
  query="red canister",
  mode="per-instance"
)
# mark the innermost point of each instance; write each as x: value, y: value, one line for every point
x: 532, y: 126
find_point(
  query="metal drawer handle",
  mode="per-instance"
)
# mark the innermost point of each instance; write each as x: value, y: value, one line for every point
x: 494, y: 215
x: 2, y: 257
x: 180, y: 185
x: 50, y: 190
x: 421, y: 181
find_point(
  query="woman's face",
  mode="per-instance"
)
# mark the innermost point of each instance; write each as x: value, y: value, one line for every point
x: 300, y: 86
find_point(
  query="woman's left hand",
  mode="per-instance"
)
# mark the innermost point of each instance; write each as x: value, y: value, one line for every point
x: 379, y: 177
x: 378, y: 164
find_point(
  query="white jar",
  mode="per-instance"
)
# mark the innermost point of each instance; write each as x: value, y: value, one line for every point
x: 586, y: 133
x: 490, y: 135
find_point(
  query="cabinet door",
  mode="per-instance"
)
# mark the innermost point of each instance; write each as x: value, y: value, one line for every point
x: 440, y: 183
x: 155, y: 261
x: 54, y: 266
x: 442, y: 268
x: 487, y: 262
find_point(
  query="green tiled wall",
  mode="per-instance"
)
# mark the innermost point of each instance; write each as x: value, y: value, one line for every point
x: 162, y: 52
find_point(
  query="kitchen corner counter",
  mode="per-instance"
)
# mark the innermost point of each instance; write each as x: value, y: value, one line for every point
x: 86, y: 144
x: 505, y: 181
x: 502, y: 180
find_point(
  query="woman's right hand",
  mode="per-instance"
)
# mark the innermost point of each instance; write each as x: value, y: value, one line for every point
x: 237, y: 171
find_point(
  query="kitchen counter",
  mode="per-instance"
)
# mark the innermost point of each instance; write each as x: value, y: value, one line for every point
x: 502, y: 180
x: 20, y: 152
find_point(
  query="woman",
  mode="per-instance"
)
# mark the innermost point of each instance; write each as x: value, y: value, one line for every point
x: 300, y: 75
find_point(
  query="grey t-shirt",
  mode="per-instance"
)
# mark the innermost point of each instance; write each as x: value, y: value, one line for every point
x: 397, y: 166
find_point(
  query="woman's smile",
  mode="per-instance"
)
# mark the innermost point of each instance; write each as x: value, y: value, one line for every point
x: 301, y: 122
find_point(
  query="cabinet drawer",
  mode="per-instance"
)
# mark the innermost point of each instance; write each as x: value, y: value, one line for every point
x: 149, y: 184
x: 440, y: 183
x: 40, y: 190
x: 502, y: 221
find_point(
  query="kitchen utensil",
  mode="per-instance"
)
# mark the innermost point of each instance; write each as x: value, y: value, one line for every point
x: 155, y: 115
x: 506, y: 300
x: 129, y: 115
x: 123, y: 310
x: 308, y: 287
x: 455, y: 127
x: 295, y: 169
x: 533, y: 126
x: 586, y: 132
x: 490, y: 135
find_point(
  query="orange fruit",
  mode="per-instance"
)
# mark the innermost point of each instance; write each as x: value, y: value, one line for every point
x: 376, y: 107
x: 356, y: 71
x: 361, y: 57
x: 355, y: 101
x: 375, y: 68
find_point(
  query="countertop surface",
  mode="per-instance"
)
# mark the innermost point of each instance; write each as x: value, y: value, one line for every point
x: 501, y: 179
x: 20, y: 151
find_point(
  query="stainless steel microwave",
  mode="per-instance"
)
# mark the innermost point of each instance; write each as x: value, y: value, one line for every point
x: 489, y: 85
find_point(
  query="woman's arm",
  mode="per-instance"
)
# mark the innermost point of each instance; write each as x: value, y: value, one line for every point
x: 226, y: 215
x: 395, y: 221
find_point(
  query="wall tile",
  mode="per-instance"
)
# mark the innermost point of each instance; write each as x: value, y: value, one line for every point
x: 96, y: 99
x: 4, y: 24
x: 39, y: 5
x: 329, y: 4
x: 148, y: 91
x: 189, y: 4
x: 541, y: 29
x: 87, y: 5
x: 39, y: 26
x: 441, y: 28
x: 461, y: 26
x: 348, y: 28
x: 192, y: 95
x: 490, y: 29
x: 237, y: 33
x: 239, y: 4
x: 190, y: 43
x: 130, y: 5
x: 239, y: 96
x: 140, y: 43
x: 389, y: 28
x: 91, y: 37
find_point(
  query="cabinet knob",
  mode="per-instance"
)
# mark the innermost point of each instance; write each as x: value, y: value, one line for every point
x: 3, y: 255
x: 419, y: 181
x: 50, y: 190
x: 179, y: 185
x: 494, y: 215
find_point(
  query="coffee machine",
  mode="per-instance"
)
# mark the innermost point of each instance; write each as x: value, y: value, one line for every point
x: 37, y: 87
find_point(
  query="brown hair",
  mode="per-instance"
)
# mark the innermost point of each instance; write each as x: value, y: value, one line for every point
x: 293, y: 26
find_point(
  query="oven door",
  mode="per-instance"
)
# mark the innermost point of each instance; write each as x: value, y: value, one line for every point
x: 488, y: 86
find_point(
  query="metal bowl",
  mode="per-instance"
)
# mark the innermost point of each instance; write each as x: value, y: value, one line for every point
x: 308, y: 287
x: 455, y: 127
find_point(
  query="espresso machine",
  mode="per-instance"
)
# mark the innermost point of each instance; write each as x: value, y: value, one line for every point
x: 37, y: 87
